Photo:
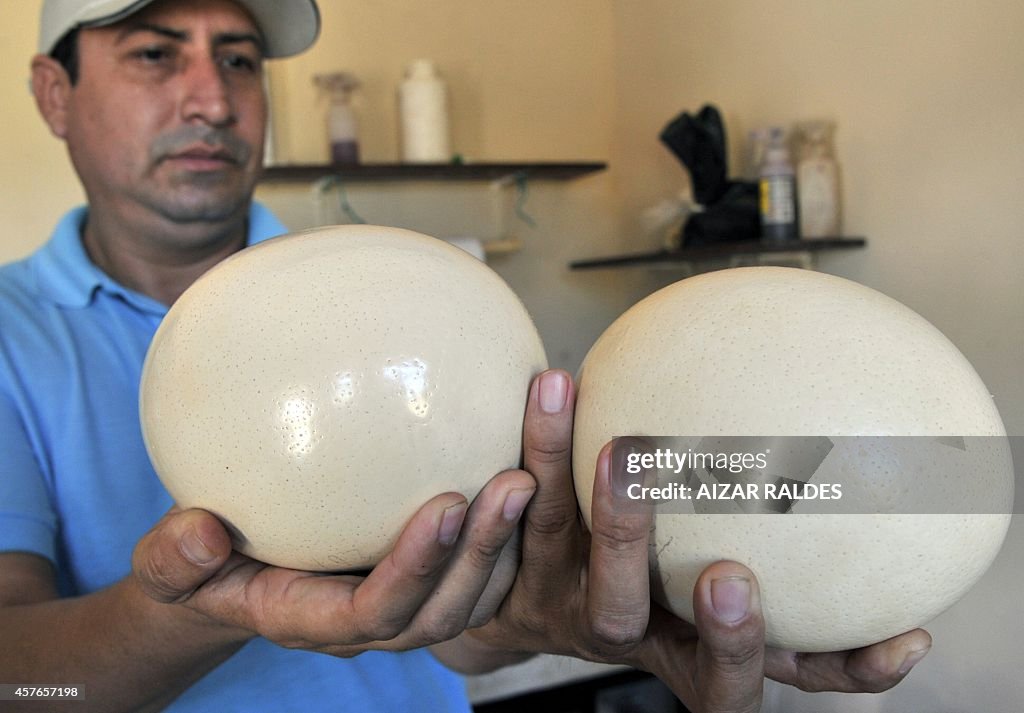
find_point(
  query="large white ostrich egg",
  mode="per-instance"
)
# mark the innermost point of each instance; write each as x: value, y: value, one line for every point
x: 315, y: 390
x: 778, y: 352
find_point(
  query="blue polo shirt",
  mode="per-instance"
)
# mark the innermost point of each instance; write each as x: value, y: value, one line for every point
x: 76, y: 485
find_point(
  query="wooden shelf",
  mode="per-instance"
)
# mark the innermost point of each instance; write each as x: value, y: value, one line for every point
x: 434, y: 171
x: 718, y: 251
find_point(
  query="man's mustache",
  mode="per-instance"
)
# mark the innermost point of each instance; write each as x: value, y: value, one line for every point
x: 180, y: 140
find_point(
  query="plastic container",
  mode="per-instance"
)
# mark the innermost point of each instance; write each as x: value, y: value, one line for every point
x: 423, y: 110
x: 777, y: 181
x: 342, y: 127
x: 817, y: 180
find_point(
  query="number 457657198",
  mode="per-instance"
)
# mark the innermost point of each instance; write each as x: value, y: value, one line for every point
x: 13, y: 692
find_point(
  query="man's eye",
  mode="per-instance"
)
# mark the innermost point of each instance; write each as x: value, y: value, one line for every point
x: 240, y: 62
x: 152, y: 54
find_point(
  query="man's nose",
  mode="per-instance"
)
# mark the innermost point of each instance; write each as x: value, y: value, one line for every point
x: 206, y: 94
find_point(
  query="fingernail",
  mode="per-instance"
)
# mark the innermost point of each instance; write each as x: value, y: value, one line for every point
x: 515, y: 503
x: 554, y: 386
x: 451, y: 523
x: 730, y: 596
x: 195, y: 549
x: 627, y: 466
x: 912, y: 660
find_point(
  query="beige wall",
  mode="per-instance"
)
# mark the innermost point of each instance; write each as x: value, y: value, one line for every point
x: 527, y: 79
x: 929, y: 109
x: 35, y: 174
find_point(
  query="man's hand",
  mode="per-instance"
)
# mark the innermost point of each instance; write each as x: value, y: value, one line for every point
x: 434, y: 583
x: 587, y: 594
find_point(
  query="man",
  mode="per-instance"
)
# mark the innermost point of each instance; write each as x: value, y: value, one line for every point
x: 105, y: 586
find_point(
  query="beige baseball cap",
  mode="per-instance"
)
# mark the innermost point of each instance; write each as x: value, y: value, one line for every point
x: 288, y: 26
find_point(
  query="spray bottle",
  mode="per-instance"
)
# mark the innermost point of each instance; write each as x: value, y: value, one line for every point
x: 342, y: 129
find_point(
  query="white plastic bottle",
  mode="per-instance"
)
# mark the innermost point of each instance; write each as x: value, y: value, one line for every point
x: 817, y: 180
x: 423, y: 108
x: 777, y: 190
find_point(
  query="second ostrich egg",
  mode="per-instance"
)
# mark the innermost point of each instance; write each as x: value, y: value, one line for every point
x: 314, y: 390
x: 762, y: 353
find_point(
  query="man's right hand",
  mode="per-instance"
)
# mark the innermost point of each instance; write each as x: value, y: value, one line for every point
x: 436, y: 581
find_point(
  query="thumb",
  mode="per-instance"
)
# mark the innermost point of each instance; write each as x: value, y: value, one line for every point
x: 181, y: 552
x: 730, y: 658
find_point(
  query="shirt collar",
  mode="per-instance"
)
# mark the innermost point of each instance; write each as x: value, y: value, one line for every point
x: 66, y: 275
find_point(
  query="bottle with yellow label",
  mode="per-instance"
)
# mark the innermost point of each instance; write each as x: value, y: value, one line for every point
x: 777, y: 181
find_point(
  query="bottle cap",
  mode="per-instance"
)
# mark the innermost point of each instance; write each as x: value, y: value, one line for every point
x: 421, y: 69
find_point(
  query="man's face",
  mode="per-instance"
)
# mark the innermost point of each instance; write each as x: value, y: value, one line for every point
x: 168, y: 113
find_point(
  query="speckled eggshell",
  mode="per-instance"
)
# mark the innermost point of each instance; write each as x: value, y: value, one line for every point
x: 315, y: 390
x: 784, y: 352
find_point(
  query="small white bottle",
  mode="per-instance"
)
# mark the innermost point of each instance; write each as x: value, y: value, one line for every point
x: 423, y: 108
x: 817, y: 180
x: 777, y: 190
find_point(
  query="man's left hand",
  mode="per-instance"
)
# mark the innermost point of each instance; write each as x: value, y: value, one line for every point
x: 588, y: 595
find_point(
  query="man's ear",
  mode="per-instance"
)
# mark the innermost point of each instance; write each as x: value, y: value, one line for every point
x: 52, y: 89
